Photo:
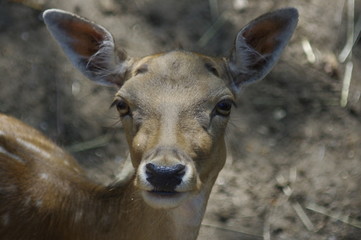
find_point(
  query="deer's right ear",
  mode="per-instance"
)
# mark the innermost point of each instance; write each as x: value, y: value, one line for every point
x: 259, y: 45
x: 89, y: 47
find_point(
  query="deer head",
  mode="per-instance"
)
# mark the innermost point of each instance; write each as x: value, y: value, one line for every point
x: 174, y: 106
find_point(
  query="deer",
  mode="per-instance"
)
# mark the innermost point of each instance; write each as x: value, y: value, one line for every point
x: 174, y: 107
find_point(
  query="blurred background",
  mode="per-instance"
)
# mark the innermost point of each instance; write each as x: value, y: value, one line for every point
x: 294, y: 142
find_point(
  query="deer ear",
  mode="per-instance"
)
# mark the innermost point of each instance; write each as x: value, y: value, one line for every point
x: 89, y: 47
x: 258, y: 45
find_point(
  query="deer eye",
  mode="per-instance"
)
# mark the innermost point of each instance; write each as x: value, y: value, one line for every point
x: 223, y: 108
x: 122, y: 107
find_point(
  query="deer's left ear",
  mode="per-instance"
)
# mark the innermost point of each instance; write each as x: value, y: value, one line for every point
x: 90, y: 47
x: 258, y: 45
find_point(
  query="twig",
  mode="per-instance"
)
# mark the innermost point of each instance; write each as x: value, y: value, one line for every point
x: 303, y: 216
x: 342, y: 218
x: 87, y: 145
x: 357, y: 30
x: 351, y: 37
x: 230, y: 230
x: 31, y: 4
x: 293, y: 174
x: 307, y: 48
x: 339, y: 14
x: 347, y: 52
x: 287, y: 190
x: 267, y: 225
x: 209, y: 34
x: 213, y: 5
x: 346, y: 84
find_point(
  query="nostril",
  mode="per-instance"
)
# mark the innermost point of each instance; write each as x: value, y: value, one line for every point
x: 179, y: 169
x: 150, y: 168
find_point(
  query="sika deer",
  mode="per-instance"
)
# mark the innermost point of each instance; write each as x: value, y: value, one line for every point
x: 174, y: 107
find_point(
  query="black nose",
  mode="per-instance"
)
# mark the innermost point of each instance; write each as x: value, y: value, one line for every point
x: 165, y: 178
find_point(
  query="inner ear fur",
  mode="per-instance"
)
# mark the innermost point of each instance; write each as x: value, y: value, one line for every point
x: 90, y: 47
x: 258, y: 46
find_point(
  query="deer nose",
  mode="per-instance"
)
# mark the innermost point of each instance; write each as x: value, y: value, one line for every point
x: 165, y: 178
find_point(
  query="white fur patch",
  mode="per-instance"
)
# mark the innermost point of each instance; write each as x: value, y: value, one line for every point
x: 33, y: 148
x: 13, y: 156
x: 44, y: 176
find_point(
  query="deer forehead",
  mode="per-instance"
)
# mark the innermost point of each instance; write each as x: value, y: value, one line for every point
x: 176, y: 78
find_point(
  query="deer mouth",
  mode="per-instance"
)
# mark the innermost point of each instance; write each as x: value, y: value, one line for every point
x: 161, y: 193
x: 164, y: 199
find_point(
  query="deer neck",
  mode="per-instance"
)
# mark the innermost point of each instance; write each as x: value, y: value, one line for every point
x: 187, y: 218
x: 145, y: 222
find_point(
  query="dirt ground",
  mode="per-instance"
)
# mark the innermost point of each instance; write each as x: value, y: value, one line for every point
x: 294, y: 165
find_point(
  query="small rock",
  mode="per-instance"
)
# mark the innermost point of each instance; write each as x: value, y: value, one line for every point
x: 107, y: 6
x: 279, y: 114
x: 240, y: 5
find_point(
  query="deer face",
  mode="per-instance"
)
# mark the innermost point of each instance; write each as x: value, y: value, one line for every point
x: 175, y: 108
